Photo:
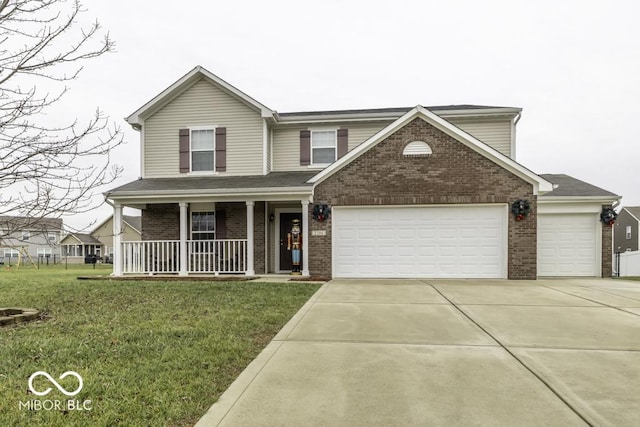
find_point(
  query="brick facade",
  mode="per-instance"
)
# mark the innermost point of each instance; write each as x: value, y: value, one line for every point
x: 453, y: 174
x: 162, y: 222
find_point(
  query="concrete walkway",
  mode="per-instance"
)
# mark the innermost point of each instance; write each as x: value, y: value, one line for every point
x: 448, y: 352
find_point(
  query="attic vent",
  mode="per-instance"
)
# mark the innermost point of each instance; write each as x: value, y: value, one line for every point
x: 417, y: 149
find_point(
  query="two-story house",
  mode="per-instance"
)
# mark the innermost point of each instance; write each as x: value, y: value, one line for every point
x: 99, y: 242
x: 390, y: 192
x: 626, y: 237
x: 35, y: 237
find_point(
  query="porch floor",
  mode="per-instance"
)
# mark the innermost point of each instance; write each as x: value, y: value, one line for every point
x: 268, y: 278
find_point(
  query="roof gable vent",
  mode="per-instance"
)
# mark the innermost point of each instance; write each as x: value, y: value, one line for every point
x: 417, y: 149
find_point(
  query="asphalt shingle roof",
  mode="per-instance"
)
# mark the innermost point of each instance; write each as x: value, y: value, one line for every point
x: 393, y: 110
x: 30, y: 223
x: 635, y: 210
x: 86, y: 239
x: 272, y: 180
x: 568, y: 186
x: 134, y: 221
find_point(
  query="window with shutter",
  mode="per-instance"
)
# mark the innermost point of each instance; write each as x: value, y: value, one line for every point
x: 203, y: 149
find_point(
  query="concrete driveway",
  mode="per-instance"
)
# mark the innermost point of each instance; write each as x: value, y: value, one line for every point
x: 448, y: 352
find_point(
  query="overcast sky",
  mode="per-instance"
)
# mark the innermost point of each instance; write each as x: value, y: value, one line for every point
x: 573, y: 66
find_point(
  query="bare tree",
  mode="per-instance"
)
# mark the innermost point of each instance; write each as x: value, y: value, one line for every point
x: 48, y: 170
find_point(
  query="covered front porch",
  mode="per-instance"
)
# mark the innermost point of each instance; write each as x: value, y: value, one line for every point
x: 212, y: 238
x: 212, y: 224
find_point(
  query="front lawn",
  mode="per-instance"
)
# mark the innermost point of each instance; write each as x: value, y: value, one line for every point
x: 150, y: 353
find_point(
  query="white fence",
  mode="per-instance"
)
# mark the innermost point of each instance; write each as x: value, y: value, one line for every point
x: 203, y: 256
x: 629, y: 264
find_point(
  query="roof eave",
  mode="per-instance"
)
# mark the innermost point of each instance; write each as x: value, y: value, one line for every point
x: 579, y: 199
x: 248, y: 192
x: 387, y: 115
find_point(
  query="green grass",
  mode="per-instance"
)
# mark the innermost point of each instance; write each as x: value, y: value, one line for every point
x: 150, y: 353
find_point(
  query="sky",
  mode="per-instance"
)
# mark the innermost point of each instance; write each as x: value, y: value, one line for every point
x: 572, y: 66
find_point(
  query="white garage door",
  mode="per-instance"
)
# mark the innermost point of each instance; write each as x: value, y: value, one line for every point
x: 446, y: 242
x: 568, y: 245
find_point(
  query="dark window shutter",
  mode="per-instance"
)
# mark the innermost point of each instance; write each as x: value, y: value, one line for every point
x: 221, y: 225
x: 305, y: 147
x: 221, y: 149
x: 343, y: 142
x: 184, y: 150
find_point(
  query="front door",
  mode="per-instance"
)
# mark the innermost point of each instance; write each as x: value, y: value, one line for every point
x: 286, y: 221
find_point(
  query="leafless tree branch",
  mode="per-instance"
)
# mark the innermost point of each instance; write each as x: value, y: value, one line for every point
x: 49, y: 170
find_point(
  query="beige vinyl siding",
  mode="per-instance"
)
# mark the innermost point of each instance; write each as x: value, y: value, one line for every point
x: 203, y: 104
x: 269, y: 143
x: 105, y: 234
x: 494, y: 132
x: 286, y: 141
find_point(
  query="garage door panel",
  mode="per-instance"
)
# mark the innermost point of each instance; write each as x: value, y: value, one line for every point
x: 420, y: 241
x: 568, y: 245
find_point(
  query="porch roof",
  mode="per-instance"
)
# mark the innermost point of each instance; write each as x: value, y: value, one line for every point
x: 272, y: 183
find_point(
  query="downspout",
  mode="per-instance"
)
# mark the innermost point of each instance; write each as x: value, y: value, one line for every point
x: 514, y: 122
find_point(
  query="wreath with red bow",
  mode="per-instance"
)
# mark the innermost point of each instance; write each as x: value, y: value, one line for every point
x: 608, y: 216
x: 520, y: 209
x: 321, y: 212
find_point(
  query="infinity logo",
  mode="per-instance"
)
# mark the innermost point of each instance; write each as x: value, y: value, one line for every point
x: 55, y: 383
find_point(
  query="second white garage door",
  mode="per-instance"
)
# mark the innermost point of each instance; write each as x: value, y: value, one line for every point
x: 568, y: 245
x: 442, y: 241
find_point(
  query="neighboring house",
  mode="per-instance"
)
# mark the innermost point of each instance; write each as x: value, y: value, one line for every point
x: 100, y: 241
x: 38, y: 237
x: 626, y: 236
x: 391, y: 192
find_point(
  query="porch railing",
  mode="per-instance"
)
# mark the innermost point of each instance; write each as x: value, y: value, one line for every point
x: 203, y: 256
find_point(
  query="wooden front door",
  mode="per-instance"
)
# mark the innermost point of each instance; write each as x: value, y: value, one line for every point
x: 286, y: 221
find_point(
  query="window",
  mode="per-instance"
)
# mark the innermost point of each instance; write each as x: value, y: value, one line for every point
x: 26, y: 235
x: 323, y: 146
x: 203, y: 226
x: 417, y: 149
x: 44, y: 252
x: 10, y: 253
x: 202, y: 150
x: 52, y: 237
x: 628, y: 232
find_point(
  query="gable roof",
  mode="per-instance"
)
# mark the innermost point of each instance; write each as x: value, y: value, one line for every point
x: 184, y: 83
x: 540, y: 184
x: 83, y: 238
x: 135, y: 222
x: 634, y: 211
x: 565, y: 186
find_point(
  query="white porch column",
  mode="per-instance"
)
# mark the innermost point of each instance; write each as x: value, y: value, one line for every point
x: 117, y: 239
x: 305, y: 238
x: 250, y: 243
x: 184, y: 258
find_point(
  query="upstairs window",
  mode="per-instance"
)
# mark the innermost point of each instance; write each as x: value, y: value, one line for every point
x: 203, y: 226
x: 26, y: 236
x: 628, y: 232
x: 323, y: 147
x: 203, y: 150
x: 52, y: 237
